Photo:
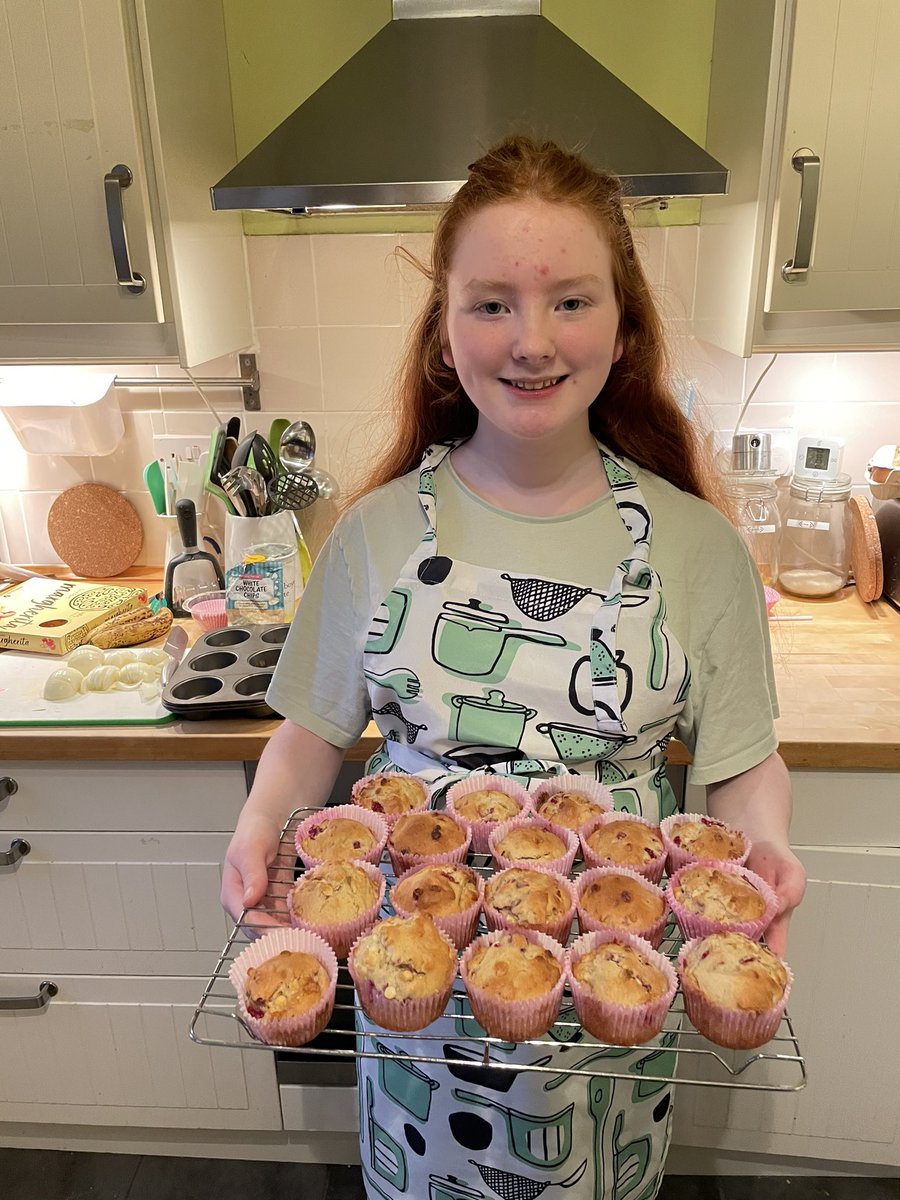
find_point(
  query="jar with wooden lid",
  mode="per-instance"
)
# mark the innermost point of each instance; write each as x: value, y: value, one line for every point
x: 816, y: 536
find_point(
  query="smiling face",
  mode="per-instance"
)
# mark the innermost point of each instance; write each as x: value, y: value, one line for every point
x: 531, y: 324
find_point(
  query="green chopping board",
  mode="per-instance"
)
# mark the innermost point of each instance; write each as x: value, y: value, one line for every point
x: 22, y: 679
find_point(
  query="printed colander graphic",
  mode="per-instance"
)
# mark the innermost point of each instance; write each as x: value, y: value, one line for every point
x: 519, y: 1187
x: 544, y: 599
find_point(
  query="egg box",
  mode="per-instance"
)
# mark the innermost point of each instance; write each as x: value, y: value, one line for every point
x: 53, y: 616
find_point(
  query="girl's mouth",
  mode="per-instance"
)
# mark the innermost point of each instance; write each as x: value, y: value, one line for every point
x: 534, y: 386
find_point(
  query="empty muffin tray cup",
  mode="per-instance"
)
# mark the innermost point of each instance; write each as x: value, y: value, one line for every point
x: 226, y: 673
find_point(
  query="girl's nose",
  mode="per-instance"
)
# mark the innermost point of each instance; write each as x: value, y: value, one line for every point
x: 534, y: 339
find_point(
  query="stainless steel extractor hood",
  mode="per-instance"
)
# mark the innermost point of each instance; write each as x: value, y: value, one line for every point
x: 398, y: 124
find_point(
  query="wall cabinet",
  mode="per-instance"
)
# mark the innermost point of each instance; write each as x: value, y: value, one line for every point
x: 116, y: 903
x: 803, y: 103
x: 843, y: 952
x: 89, y: 87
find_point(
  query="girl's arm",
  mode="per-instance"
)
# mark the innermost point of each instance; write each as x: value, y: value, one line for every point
x: 759, y: 802
x: 297, y: 769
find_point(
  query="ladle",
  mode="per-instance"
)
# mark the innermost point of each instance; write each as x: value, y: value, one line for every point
x: 297, y: 448
x: 329, y: 488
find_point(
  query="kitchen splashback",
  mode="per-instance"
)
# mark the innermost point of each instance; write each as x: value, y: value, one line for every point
x: 331, y: 314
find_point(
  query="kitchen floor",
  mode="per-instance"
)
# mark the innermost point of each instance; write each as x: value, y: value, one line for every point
x: 69, y: 1175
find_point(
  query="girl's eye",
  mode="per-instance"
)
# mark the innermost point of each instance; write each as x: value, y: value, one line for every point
x: 491, y: 308
x: 572, y: 304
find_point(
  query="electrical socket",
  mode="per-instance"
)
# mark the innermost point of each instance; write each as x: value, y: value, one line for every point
x: 180, y: 444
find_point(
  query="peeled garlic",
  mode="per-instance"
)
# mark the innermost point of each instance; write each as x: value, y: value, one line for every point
x: 151, y: 654
x: 149, y: 691
x: 101, y: 679
x: 118, y: 658
x: 85, y: 658
x: 63, y: 684
x: 132, y: 675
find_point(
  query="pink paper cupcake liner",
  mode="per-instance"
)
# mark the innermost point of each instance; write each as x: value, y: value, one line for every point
x: 652, y: 870
x: 481, y: 830
x: 588, y: 924
x: 340, y: 935
x: 404, y: 862
x: 401, y: 1016
x: 589, y: 788
x: 562, y: 865
x: 389, y: 818
x: 459, y: 927
x: 677, y: 857
x: 515, y: 1020
x: 729, y: 1027
x: 619, y: 1024
x: 694, y: 925
x: 351, y: 812
x: 286, y: 1031
x: 558, y: 930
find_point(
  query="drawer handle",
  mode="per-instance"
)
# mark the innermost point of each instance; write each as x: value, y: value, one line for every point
x: 45, y: 994
x: 809, y: 167
x: 8, y: 786
x: 114, y: 183
x: 18, y: 849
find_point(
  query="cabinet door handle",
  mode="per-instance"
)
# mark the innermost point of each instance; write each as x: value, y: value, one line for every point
x: 45, y: 994
x: 809, y: 167
x: 8, y: 787
x: 114, y: 183
x: 18, y: 849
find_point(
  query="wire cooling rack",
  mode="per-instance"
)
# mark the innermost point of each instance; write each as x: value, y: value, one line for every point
x: 778, y: 1066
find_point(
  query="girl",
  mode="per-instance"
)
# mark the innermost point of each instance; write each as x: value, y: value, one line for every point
x: 545, y: 502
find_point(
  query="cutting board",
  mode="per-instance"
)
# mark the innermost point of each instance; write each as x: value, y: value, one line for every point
x: 22, y: 679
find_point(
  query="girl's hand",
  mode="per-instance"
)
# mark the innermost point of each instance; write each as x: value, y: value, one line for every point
x: 785, y: 874
x: 245, y: 874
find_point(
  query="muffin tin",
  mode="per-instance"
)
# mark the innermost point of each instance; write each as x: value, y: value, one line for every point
x: 226, y: 673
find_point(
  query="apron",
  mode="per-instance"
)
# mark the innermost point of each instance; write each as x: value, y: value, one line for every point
x: 471, y: 669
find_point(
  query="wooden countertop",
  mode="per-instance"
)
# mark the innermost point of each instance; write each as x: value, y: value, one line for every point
x: 838, y: 677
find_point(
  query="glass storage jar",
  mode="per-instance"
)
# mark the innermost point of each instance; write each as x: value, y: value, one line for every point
x: 754, y: 500
x: 816, y: 536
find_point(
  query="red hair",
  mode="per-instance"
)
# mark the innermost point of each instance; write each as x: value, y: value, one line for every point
x: 635, y: 414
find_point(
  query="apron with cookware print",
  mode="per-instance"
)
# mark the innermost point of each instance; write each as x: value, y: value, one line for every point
x: 471, y: 669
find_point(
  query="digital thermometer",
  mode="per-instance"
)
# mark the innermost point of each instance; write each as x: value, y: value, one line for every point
x: 818, y: 457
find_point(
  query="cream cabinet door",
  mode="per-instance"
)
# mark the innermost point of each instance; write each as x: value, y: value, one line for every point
x: 842, y: 107
x: 109, y: 1051
x: 68, y: 115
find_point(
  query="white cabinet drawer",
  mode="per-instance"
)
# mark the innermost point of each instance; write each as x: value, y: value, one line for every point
x: 109, y: 1051
x: 113, y: 795
x: 123, y: 892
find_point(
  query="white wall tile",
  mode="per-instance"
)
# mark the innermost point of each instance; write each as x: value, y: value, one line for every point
x: 355, y: 441
x: 290, y: 370
x: 282, y: 282
x: 414, y: 284
x: 358, y: 365
x: 357, y: 281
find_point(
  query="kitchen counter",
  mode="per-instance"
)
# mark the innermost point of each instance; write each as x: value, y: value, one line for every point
x: 838, y: 677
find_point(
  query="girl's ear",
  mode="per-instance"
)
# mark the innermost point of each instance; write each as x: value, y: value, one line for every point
x: 619, y: 349
x: 447, y: 355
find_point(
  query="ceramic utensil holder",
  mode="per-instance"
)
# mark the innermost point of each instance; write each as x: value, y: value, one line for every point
x: 263, y: 577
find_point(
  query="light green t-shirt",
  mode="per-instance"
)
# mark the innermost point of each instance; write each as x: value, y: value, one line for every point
x: 713, y: 594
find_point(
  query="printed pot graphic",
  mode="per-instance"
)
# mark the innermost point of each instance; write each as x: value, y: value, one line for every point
x: 473, y: 641
x: 575, y: 743
x: 491, y: 719
x: 448, y: 1187
x: 404, y: 1082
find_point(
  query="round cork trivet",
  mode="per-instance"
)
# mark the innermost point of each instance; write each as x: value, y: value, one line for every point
x: 95, y: 530
x: 865, y: 551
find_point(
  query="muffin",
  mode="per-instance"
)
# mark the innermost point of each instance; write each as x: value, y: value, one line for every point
x: 708, y: 898
x: 624, y: 840
x: 403, y: 970
x: 482, y: 802
x: 690, y: 837
x: 426, y: 837
x: 571, y: 801
x: 340, y: 833
x: 621, y: 899
x: 621, y: 987
x: 514, y: 980
x: 390, y: 795
x: 285, y: 983
x: 524, y: 841
x: 530, y: 898
x: 450, y: 894
x: 735, y: 990
x: 338, y: 900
